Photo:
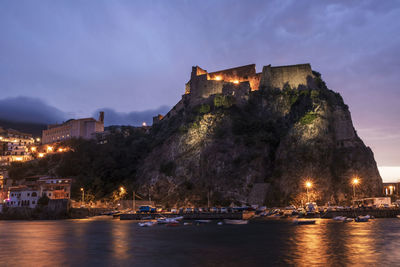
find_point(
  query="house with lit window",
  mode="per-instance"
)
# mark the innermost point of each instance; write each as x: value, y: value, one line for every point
x: 23, y: 196
x: 28, y: 193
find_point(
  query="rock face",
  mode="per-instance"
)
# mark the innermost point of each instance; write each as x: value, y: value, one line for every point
x: 258, y: 147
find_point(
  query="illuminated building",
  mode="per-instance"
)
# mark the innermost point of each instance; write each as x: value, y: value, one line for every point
x: 86, y: 128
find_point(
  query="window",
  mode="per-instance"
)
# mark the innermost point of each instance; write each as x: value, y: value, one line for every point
x: 33, y: 202
x: 49, y: 194
x: 28, y: 194
x: 34, y: 194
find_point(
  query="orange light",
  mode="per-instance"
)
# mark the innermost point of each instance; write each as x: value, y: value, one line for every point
x: 218, y: 78
x: 18, y: 159
x: 308, y: 184
x: 60, y: 150
x: 236, y: 82
x: 81, y: 188
x: 33, y: 149
x: 41, y: 155
x: 49, y: 149
x: 356, y: 181
x: 144, y: 124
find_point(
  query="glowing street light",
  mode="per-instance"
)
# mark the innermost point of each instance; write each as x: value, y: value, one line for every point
x: 236, y: 82
x: 49, y: 149
x: 355, y: 182
x: 33, y: 149
x: 83, y: 194
x: 41, y: 155
x: 308, y: 185
x: 144, y: 124
x: 218, y: 78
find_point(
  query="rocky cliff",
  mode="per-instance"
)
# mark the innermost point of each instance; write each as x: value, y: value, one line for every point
x: 258, y: 148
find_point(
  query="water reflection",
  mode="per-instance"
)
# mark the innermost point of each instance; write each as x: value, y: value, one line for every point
x: 123, y: 243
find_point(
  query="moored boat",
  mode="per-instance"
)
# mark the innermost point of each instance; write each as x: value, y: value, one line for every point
x: 147, y: 224
x: 301, y: 222
x: 362, y: 218
x: 227, y: 221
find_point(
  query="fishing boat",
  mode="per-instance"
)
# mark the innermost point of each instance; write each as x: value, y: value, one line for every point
x: 203, y: 221
x: 339, y: 218
x: 362, y: 218
x: 227, y: 221
x: 169, y: 220
x: 302, y: 222
x: 147, y: 224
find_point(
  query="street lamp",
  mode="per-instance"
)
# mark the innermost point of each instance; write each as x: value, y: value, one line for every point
x: 83, y: 195
x: 355, y: 182
x: 308, y: 185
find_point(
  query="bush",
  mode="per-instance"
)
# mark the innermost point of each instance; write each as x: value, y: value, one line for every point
x: 308, y: 118
x: 203, y: 109
x: 223, y: 101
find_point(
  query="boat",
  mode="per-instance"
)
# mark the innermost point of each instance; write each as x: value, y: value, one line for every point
x: 303, y: 222
x: 203, y: 221
x: 339, y: 218
x: 147, y: 224
x: 220, y: 223
x: 227, y: 221
x: 187, y: 223
x: 362, y: 218
x: 169, y: 220
x: 348, y: 220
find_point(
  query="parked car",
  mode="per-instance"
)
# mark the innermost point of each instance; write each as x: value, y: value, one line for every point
x: 189, y: 210
x: 224, y: 210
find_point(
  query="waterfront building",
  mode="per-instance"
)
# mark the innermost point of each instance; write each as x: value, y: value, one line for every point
x: 28, y: 192
x: 86, y: 128
x: 23, y: 196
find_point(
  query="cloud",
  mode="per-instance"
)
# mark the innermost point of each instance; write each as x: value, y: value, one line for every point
x: 27, y: 109
x: 135, y: 118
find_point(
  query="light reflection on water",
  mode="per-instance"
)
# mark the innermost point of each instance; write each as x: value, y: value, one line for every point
x: 97, y: 242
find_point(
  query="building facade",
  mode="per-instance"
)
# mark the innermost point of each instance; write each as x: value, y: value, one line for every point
x: 31, y: 190
x: 81, y: 128
x: 14, y: 146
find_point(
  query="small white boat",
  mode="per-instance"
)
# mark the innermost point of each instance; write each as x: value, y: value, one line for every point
x: 227, y: 221
x: 362, y: 218
x: 348, y: 220
x: 339, y: 218
x: 187, y: 223
x: 147, y: 224
x: 203, y: 221
x: 302, y: 222
x: 169, y: 220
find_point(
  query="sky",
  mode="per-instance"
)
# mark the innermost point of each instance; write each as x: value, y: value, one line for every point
x: 70, y: 59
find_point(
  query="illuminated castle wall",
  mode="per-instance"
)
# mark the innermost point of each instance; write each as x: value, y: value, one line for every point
x: 203, y: 84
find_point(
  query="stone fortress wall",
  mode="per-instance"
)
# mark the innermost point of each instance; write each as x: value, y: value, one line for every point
x: 240, y: 81
x: 204, y: 84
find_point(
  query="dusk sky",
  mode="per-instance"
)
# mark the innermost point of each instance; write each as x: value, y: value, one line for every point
x: 63, y: 59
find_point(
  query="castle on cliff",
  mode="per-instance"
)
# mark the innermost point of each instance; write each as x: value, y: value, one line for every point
x: 240, y: 81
